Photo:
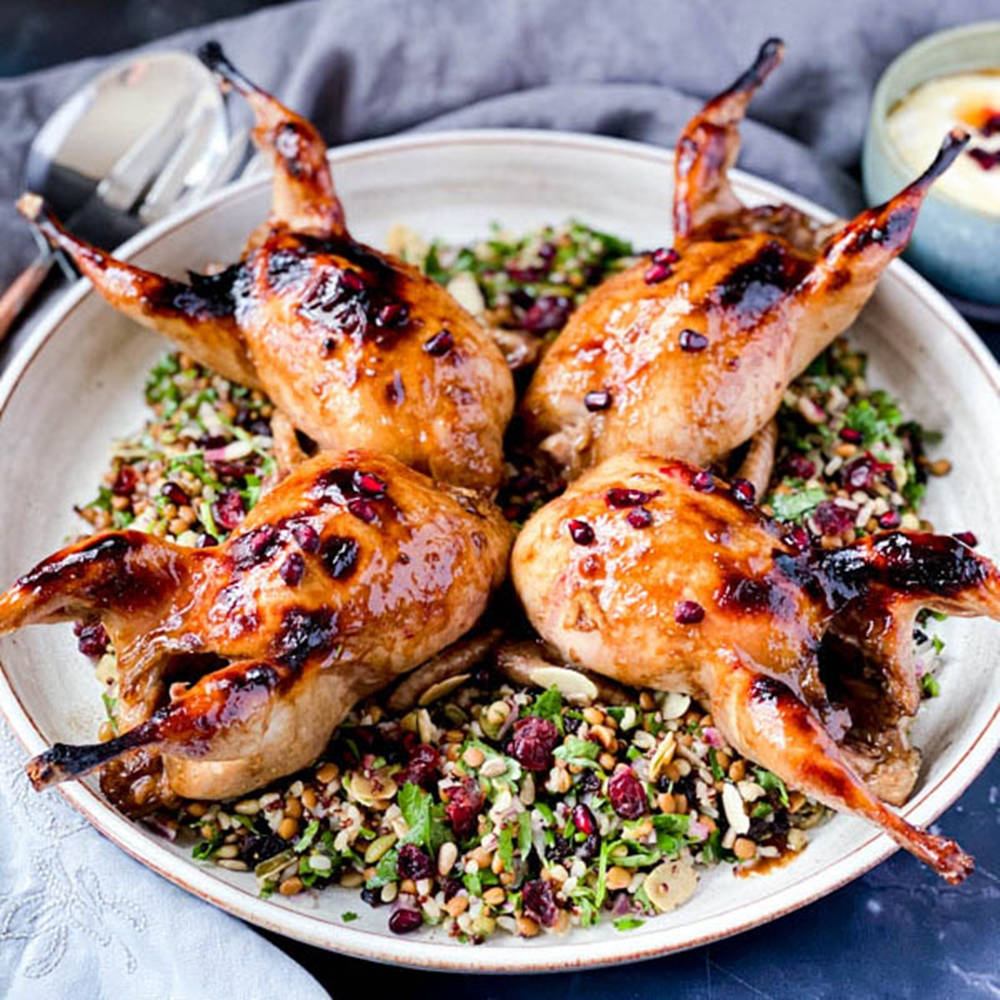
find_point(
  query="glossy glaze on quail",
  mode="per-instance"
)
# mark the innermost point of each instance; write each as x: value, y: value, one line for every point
x: 238, y: 661
x: 356, y: 348
x: 695, y: 345
x: 700, y: 593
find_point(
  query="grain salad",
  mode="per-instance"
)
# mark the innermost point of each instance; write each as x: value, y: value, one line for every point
x: 517, y: 796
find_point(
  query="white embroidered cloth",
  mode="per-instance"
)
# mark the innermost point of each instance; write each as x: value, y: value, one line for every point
x: 79, y: 918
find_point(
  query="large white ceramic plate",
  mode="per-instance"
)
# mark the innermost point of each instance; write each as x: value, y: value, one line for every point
x: 78, y: 383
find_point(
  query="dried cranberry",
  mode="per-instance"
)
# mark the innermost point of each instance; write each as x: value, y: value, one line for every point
x: 590, y: 848
x: 583, y: 819
x: 832, y: 519
x: 92, y: 640
x: 619, y: 497
x: 175, y: 494
x: 850, y: 435
x: 796, y: 464
x: 626, y: 794
x: 464, y: 805
x: 370, y: 484
x: 228, y: 510
x: 372, y: 897
x: 692, y: 341
x: 533, y: 741
x: 440, y: 344
x: 966, y: 538
x: 597, y: 399
x: 991, y: 125
x: 890, y: 519
x: 640, y: 517
x: 547, y: 251
x: 549, y: 312
x: 413, y: 863
x: 292, y: 569
x: 688, y: 612
x: 797, y: 538
x: 984, y: 157
x: 339, y: 556
x: 125, y: 481
x: 362, y: 509
x: 703, y: 481
x: 306, y: 536
x: 405, y: 920
x: 656, y: 273
x: 451, y: 887
x: 422, y: 767
x: 581, y: 532
x: 539, y: 903
x: 526, y: 275
x: 666, y: 255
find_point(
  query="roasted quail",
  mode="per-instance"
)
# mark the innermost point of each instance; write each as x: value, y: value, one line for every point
x: 691, y: 349
x: 351, y: 571
x: 354, y: 347
x: 660, y: 575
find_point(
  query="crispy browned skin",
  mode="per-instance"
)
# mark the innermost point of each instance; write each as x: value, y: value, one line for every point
x: 615, y: 605
x: 766, y: 288
x: 351, y: 571
x: 355, y: 348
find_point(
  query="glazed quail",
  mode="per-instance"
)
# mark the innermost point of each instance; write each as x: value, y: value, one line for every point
x: 659, y: 575
x: 355, y: 348
x: 690, y: 350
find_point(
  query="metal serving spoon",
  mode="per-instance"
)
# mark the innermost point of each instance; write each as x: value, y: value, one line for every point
x: 145, y: 137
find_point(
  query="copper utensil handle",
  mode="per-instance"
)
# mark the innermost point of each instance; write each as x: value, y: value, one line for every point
x: 21, y: 291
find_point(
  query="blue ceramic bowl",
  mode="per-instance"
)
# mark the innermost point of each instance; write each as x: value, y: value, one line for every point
x: 955, y: 245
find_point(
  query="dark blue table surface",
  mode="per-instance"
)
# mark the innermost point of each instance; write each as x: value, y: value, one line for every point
x: 898, y: 932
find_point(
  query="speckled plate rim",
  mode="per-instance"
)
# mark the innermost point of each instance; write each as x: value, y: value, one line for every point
x: 559, y: 955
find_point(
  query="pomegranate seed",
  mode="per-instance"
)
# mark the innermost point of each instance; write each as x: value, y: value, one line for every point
x: 352, y: 281
x: 339, y: 556
x: 370, y: 484
x: 890, y: 519
x: 464, y: 805
x: 292, y: 569
x: 533, y: 741
x: 362, y: 509
x: 548, y: 313
x: 175, y: 494
x: 743, y: 492
x: 688, y: 613
x: 581, y: 532
x: 640, y: 517
x: 392, y: 314
x: 692, y: 341
x: 440, y: 344
x: 832, y: 519
x: 703, y: 481
x: 666, y: 255
x: 797, y: 538
x: 405, y: 920
x: 619, y: 497
x: 583, y: 819
x: 228, y: 510
x: 800, y: 466
x: 851, y: 435
x: 413, y: 863
x: 306, y: 535
x: 628, y: 797
x: 125, y: 481
x: 656, y: 273
x: 597, y: 399
x: 539, y: 903
x: 966, y: 538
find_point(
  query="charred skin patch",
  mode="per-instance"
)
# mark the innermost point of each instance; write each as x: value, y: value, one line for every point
x: 304, y: 633
x: 895, y: 231
x: 340, y: 556
x: 925, y: 563
x: 755, y: 285
x: 205, y: 296
x: 254, y: 547
x: 747, y: 595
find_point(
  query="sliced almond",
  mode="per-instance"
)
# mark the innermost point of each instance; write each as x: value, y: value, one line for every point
x: 572, y: 685
x: 663, y: 756
x: 464, y: 289
x: 439, y: 690
x: 732, y: 803
x: 675, y: 705
x: 670, y: 884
